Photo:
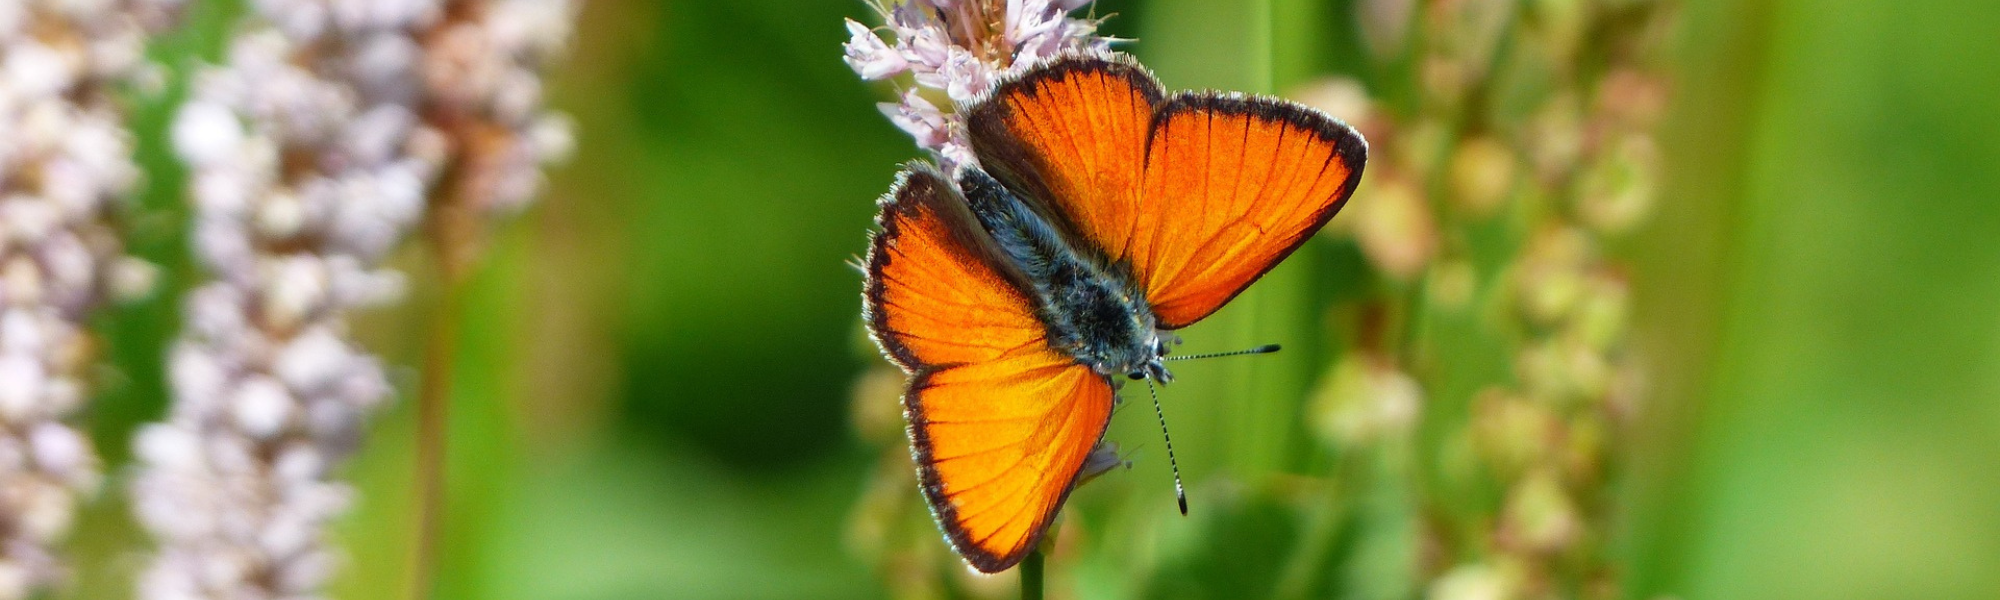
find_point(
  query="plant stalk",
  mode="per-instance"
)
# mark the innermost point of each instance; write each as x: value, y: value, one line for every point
x: 1031, y: 575
x: 433, y: 416
x: 450, y: 229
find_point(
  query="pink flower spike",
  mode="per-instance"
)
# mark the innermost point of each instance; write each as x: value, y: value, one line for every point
x: 920, y: 118
x: 961, y: 47
x: 924, y: 40
x: 957, y: 153
x: 965, y: 76
x: 869, y: 56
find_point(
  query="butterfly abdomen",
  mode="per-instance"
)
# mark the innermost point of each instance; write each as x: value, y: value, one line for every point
x: 1092, y: 311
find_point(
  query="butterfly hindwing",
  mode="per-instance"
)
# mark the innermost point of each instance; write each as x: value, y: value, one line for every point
x: 1198, y: 194
x: 1000, y: 424
x: 999, y: 446
x: 937, y: 292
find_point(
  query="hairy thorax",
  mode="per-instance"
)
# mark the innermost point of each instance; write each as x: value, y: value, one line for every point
x: 1093, y: 310
x: 1099, y: 319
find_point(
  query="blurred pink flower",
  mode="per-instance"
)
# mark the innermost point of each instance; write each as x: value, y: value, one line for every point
x: 66, y: 171
x: 330, y: 131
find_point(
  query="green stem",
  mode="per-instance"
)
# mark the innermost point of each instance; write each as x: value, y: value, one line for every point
x: 433, y: 402
x: 1031, y: 576
x: 451, y: 229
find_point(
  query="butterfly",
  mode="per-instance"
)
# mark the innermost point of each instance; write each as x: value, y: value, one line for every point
x: 1018, y: 294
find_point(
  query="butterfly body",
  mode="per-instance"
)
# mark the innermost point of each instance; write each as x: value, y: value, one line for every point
x: 1103, y: 214
x: 1093, y: 310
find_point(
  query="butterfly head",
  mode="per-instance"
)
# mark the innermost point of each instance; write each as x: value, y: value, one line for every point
x: 1155, y: 367
x: 1156, y: 371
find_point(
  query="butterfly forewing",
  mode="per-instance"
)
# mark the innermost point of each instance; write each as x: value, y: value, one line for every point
x: 1000, y: 423
x: 1199, y: 194
x: 1232, y: 186
x: 1071, y: 138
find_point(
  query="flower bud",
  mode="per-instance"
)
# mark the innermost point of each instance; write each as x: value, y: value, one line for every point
x: 1475, y: 582
x: 1539, y: 516
x: 1340, y: 97
x: 1385, y: 26
x: 1362, y: 400
x: 1555, y: 138
x: 1511, y: 433
x: 1550, y: 280
x: 1482, y: 174
x: 1617, y: 192
x: 1453, y: 283
x: 1601, y: 315
x: 1560, y: 25
x: 1633, y: 99
x: 1393, y: 224
x: 876, y: 404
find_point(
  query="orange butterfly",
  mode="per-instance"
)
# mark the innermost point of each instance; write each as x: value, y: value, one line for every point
x: 1108, y: 214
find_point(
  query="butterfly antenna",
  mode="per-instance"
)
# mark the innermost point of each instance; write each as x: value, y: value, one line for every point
x: 1264, y: 349
x: 1180, y: 493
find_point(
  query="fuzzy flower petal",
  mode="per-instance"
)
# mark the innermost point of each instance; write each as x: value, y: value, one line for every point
x: 918, y: 117
x: 870, y: 56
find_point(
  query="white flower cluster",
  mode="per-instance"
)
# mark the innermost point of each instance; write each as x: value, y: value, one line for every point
x: 961, y: 47
x: 65, y: 169
x: 309, y: 161
x: 332, y: 129
x: 482, y: 71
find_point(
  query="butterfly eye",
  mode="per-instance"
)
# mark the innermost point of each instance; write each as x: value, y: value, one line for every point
x: 1136, y: 375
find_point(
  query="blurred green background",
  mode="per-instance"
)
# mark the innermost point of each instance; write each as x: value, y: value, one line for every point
x: 651, y: 397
